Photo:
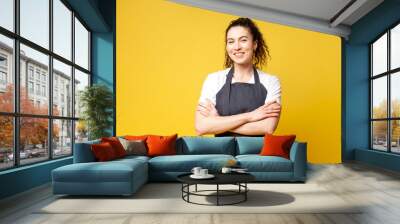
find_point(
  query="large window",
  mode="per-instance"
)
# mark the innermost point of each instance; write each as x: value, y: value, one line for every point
x: 44, y: 65
x: 385, y: 91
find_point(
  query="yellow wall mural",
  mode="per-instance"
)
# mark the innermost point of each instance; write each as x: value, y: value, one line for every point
x: 165, y: 51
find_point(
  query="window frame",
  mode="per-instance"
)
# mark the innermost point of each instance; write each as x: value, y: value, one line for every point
x: 16, y: 114
x: 388, y: 74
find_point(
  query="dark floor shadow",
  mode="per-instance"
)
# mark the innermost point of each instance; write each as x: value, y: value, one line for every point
x: 255, y: 198
x: 93, y: 196
x: 173, y: 190
x: 148, y: 191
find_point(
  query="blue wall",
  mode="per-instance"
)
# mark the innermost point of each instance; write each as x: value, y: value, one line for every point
x: 103, y: 51
x: 99, y: 16
x: 357, y: 99
x: 24, y: 178
x: 356, y: 61
x: 102, y: 62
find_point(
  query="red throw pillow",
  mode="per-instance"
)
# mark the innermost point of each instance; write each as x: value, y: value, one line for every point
x: 132, y: 137
x: 277, y: 145
x: 103, y: 152
x: 116, y: 145
x: 161, y: 145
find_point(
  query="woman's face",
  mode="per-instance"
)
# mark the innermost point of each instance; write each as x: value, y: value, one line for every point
x: 240, y: 45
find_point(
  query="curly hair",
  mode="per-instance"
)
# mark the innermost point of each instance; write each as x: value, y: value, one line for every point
x: 261, y: 53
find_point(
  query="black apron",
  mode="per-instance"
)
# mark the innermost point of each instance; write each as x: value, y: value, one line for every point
x: 239, y: 97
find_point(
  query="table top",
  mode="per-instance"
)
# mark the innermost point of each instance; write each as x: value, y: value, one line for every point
x: 220, y: 178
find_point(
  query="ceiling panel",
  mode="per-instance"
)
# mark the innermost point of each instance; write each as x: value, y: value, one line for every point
x: 326, y: 16
x: 319, y: 9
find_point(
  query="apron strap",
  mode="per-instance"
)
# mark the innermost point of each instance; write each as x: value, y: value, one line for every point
x: 227, y: 89
x: 257, y: 84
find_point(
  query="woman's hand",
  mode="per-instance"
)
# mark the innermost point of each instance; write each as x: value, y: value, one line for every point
x: 207, y: 109
x: 270, y: 109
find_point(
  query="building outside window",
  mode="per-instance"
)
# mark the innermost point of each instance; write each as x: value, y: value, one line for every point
x: 3, y: 71
x: 3, y: 60
x: 38, y: 89
x: 43, y: 78
x: 43, y: 90
x: 30, y: 87
x: 35, y: 72
x: 3, y: 77
x: 30, y: 72
x: 55, y: 96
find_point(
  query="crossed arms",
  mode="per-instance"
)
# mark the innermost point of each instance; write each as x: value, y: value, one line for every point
x: 257, y: 122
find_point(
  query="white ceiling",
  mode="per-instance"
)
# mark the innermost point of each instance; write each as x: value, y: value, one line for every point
x: 326, y: 16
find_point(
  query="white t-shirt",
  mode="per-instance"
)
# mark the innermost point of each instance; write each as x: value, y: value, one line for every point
x: 215, y: 81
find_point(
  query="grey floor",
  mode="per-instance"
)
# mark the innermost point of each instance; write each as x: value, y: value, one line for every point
x: 377, y: 188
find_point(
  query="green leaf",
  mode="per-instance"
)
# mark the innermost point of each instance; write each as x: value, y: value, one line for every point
x: 97, y: 104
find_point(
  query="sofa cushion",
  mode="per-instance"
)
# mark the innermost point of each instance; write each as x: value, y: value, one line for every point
x: 103, y: 151
x: 132, y: 158
x: 111, y: 171
x: 134, y: 147
x: 116, y: 145
x: 161, y: 145
x: 257, y: 163
x: 185, y: 163
x: 207, y: 145
x: 249, y: 145
x: 134, y: 137
x: 275, y: 145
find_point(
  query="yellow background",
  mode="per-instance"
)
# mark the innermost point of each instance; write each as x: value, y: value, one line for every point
x: 165, y: 51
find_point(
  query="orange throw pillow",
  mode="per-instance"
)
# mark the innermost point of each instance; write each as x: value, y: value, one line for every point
x: 277, y: 145
x: 132, y: 137
x: 161, y: 145
x: 103, y: 152
x: 116, y: 145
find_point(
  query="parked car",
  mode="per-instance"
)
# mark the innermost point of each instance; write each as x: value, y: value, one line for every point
x: 10, y: 156
x: 57, y: 152
x: 25, y: 154
x: 22, y: 155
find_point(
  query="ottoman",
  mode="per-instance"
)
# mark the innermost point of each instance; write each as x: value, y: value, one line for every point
x: 119, y: 177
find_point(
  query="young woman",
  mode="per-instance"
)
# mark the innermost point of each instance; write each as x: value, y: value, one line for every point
x: 240, y: 100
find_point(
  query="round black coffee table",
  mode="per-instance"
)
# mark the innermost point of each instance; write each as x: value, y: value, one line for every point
x: 238, y: 179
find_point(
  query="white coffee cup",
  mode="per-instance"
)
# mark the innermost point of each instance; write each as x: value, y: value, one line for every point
x: 203, y: 172
x: 196, y: 170
x: 226, y: 170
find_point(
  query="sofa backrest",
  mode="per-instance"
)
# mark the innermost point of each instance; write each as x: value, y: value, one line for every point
x: 193, y: 145
x: 249, y: 145
x: 83, y: 152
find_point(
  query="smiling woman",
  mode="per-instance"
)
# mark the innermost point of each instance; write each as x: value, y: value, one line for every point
x: 240, y: 100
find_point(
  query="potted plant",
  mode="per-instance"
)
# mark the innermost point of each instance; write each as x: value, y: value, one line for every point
x: 96, y: 102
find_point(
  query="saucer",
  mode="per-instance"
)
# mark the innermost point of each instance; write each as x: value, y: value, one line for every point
x: 208, y: 176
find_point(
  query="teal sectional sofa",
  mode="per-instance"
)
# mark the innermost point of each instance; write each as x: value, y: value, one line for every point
x: 125, y: 176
